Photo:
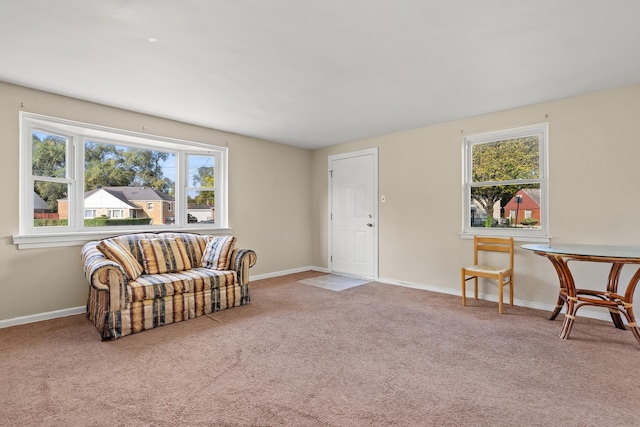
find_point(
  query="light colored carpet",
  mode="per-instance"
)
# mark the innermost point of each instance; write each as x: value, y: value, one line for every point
x: 372, y: 356
x: 334, y: 282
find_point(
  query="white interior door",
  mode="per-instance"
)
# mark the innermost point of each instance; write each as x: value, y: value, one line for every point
x: 353, y: 214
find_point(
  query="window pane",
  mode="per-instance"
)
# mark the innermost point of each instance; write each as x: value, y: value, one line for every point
x: 201, y: 206
x: 506, y: 206
x: 201, y: 171
x: 49, y: 155
x: 50, y: 204
x: 201, y: 203
x: 505, y: 160
x: 128, y: 186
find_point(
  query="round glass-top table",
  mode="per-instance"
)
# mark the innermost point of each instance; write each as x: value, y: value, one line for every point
x: 574, y: 298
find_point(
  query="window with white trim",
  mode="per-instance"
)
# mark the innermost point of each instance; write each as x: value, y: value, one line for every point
x: 505, y: 183
x: 78, y: 178
x: 115, y: 213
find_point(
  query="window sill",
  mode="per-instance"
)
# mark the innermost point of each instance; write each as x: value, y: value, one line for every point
x: 516, y: 237
x: 50, y: 240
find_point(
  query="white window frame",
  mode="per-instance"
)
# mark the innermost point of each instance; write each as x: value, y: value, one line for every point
x: 75, y: 233
x: 536, y: 235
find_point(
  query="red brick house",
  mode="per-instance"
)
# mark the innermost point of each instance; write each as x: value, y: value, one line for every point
x: 529, y: 206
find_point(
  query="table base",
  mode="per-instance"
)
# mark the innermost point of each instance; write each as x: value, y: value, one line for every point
x: 575, y: 298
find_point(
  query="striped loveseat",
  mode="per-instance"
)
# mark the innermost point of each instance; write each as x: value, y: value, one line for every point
x: 145, y: 280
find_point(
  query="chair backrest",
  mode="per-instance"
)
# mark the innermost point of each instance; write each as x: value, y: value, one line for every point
x: 493, y: 244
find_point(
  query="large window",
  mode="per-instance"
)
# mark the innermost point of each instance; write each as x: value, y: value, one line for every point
x: 505, y: 183
x: 84, y: 180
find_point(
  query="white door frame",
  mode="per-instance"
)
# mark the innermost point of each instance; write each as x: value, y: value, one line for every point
x: 370, y: 151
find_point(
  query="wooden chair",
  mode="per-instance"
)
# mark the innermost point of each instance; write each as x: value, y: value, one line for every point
x: 504, y: 275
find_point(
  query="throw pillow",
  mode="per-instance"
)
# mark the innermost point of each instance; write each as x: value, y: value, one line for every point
x: 194, y: 244
x: 117, y: 252
x: 217, y: 253
x: 164, y: 255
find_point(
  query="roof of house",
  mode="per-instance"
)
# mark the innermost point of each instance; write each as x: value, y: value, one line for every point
x: 530, y: 200
x: 127, y: 194
x: 38, y: 202
x: 534, y: 193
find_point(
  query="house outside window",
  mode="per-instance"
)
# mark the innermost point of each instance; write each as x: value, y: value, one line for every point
x: 65, y: 165
x: 504, y: 180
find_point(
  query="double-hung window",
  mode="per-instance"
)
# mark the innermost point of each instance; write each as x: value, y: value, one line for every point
x: 505, y: 183
x: 81, y: 181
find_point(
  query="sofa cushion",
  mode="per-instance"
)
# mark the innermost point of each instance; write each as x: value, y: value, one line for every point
x: 205, y: 278
x: 194, y: 244
x: 117, y: 252
x: 151, y: 286
x: 217, y: 253
x: 131, y: 241
x: 164, y: 255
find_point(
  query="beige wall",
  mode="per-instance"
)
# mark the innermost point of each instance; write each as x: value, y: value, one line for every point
x: 594, y: 171
x: 278, y: 196
x: 262, y: 176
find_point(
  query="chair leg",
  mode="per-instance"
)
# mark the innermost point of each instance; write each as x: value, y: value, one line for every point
x: 511, y: 290
x: 464, y: 289
x: 500, y: 294
x: 475, y: 287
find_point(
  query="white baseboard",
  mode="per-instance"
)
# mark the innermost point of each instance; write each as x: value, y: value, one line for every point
x: 285, y: 272
x: 42, y: 316
x: 79, y: 310
x: 586, y: 312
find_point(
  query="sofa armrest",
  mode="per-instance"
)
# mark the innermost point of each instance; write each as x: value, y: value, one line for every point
x: 241, y: 261
x: 105, y: 275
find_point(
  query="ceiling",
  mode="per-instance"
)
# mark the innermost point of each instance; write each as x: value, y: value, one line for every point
x: 315, y: 73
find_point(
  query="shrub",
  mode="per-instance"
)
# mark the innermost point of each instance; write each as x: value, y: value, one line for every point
x: 104, y: 221
x: 529, y: 221
x: 41, y: 222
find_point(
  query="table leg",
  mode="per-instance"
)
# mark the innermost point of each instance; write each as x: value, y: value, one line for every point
x: 559, y: 306
x: 612, y: 286
x: 628, y: 304
x: 567, y: 294
x: 561, y: 276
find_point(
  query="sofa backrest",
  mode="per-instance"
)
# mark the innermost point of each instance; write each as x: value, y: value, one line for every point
x: 194, y: 244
